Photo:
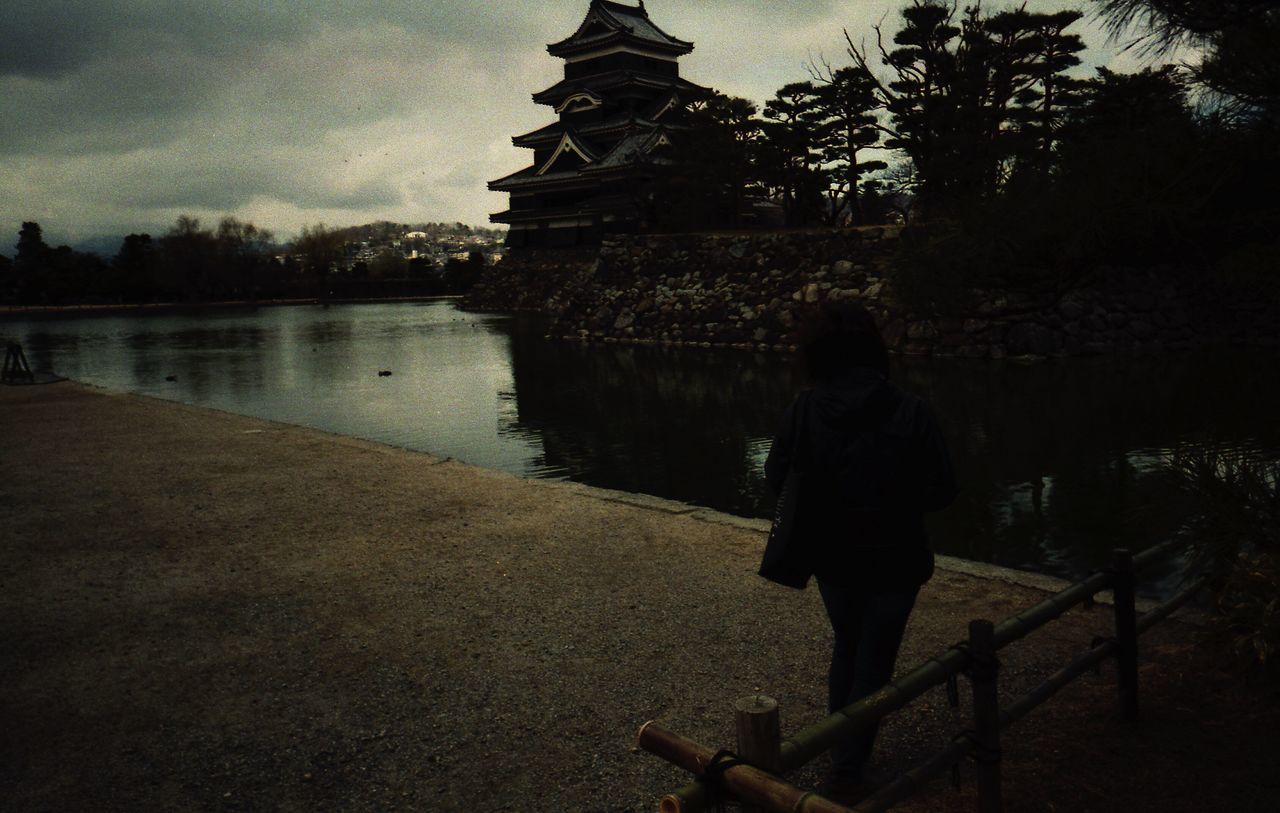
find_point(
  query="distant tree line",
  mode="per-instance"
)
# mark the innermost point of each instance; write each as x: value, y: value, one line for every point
x: 970, y: 126
x: 236, y: 261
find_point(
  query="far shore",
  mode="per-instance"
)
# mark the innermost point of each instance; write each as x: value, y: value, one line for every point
x: 109, y: 309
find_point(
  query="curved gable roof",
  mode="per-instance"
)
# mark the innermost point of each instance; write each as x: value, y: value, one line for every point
x: 569, y: 144
x: 609, y: 22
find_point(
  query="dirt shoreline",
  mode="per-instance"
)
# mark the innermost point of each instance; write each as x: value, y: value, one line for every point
x: 208, y: 611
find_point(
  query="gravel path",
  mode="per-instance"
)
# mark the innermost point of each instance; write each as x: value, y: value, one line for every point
x: 206, y: 611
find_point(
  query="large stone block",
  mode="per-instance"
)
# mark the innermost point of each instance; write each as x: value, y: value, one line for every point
x: 1071, y: 309
x: 923, y: 330
x: 1029, y: 339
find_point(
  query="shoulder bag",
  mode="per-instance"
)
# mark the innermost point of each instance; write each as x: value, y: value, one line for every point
x: 788, y: 558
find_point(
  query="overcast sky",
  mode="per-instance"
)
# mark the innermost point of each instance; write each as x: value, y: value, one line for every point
x: 119, y: 115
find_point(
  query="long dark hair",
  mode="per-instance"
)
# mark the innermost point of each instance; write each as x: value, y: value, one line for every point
x: 837, y: 337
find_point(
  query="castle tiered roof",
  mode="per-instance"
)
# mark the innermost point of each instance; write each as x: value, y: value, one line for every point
x: 632, y: 148
x: 615, y: 110
x: 612, y: 81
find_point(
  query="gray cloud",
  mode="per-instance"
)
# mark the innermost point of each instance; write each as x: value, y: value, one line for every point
x: 121, y: 114
x: 55, y: 37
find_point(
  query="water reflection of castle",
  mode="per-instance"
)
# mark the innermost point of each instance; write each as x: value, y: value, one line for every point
x: 620, y: 99
x: 1050, y: 482
x: 650, y: 420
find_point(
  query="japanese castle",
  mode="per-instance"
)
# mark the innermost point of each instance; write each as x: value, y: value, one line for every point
x: 619, y: 101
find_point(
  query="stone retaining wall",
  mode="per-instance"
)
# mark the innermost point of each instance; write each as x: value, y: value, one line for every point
x: 531, y: 280
x: 736, y: 291
x: 747, y: 292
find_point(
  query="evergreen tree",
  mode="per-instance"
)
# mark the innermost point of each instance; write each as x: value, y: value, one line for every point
x: 790, y: 155
x: 847, y: 100
x: 1135, y: 173
x: 1239, y: 41
x: 1044, y: 106
x: 704, y: 179
x: 958, y: 89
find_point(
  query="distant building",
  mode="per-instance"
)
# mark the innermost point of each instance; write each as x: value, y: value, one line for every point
x: 618, y: 102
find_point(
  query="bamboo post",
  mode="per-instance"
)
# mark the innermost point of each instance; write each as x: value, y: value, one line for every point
x: 984, y: 674
x: 759, y: 735
x: 1126, y: 633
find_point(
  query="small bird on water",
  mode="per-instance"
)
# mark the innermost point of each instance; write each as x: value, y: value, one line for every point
x: 384, y: 372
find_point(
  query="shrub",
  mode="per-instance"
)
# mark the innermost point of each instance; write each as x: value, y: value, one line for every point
x: 1234, y: 536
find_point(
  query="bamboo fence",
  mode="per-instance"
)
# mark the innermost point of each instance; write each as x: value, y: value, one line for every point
x: 754, y: 780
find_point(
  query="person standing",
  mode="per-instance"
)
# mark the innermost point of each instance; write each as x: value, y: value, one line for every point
x: 875, y: 462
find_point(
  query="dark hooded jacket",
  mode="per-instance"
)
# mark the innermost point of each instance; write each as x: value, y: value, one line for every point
x: 874, y: 463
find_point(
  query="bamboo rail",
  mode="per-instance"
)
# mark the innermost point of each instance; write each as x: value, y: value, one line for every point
x: 813, y: 740
x: 911, y: 781
x: 746, y: 782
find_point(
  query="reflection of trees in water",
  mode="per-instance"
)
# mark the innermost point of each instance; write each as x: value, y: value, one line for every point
x: 676, y: 424
x: 1059, y: 462
x: 1093, y: 432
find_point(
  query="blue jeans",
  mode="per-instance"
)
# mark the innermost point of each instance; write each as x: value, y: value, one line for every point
x: 868, y: 630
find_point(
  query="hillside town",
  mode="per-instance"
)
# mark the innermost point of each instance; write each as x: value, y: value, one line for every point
x: 433, y: 243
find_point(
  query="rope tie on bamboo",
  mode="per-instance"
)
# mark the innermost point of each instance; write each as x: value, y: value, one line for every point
x: 712, y: 776
x: 974, y: 661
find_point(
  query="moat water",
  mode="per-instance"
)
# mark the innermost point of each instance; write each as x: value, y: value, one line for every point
x: 1059, y: 462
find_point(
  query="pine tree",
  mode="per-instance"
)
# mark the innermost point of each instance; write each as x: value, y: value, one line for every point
x: 969, y: 98
x: 1044, y: 106
x: 1239, y: 41
x: 847, y: 99
x: 790, y: 156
